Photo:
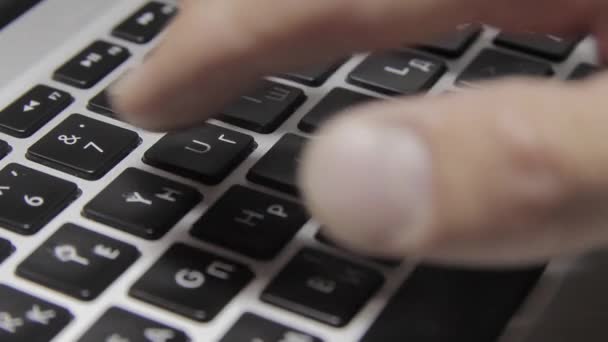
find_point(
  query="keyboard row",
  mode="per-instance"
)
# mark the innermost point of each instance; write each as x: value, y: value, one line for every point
x: 147, y: 205
x: 88, y: 148
x: 403, y: 72
x: 27, y: 318
x: 198, y: 285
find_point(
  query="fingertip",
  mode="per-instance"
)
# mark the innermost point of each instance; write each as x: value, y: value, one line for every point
x: 369, y: 184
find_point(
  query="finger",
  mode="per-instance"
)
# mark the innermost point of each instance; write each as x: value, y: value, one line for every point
x: 216, y: 48
x: 514, y: 173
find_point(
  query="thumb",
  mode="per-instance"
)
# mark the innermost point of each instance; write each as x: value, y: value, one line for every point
x: 513, y: 173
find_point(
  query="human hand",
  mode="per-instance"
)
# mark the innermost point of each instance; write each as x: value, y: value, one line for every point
x: 514, y: 172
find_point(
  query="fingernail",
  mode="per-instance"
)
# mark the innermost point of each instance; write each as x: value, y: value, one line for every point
x: 373, y: 186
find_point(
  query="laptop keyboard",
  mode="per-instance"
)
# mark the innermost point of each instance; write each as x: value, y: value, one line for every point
x: 250, y: 235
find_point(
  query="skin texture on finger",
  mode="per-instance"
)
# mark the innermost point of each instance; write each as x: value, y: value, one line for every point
x: 217, y: 49
x: 510, y: 174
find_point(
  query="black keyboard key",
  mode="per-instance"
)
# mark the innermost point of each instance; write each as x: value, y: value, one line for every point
x: 491, y: 64
x: 32, y: 110
x: 336, y: 100
x: 313, y: 76
x: 84, y: 147
x: 441, y: 304
x: 265, y: 109
x: 119, y: 325
x: 277, y: 168
x: 382, y: 261
x: 250, y: 222
x: 146, y: 23
x: 27, y: 318
x: 142, y: 204
x: 192, y: 283
x: 583, y: 71
x: 404, y: 72
x: 257, y: 329
x: 92, y: 64
x: 323, y: 287
x: 78, y: 262
x: 454, y: 44
x: 5, y: 149
x: 543, y: 45
x: 29, y: 199
x: 6, y: 249
x: 207, y: 153
x: 100, y: 104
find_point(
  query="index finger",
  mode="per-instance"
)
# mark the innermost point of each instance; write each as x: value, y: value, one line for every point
x: 217, y: 48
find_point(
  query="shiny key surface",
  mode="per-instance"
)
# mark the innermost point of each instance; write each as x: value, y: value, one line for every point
x: 192, y: 283
x: 251, y: 222
x: 32, y: 110
x: 207, y: 153
x: 265, y: 108
x: 323, y: 287
x: 29, y: 199
x: 142, y: 203
x: 78, y: 262
x: 24, y: 317
x: 91, y: 64
x: 405, y: 72
x: 84, y: 147
x: 146, y: 23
